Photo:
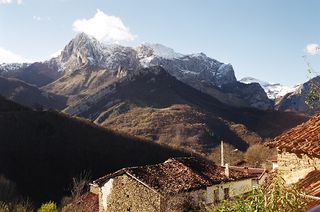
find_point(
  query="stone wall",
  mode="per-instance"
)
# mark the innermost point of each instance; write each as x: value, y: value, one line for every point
x: 126, y: 194
x: 293, y: 167
x: 188, y: 201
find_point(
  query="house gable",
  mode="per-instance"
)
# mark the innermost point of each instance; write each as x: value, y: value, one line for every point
x: 123, y: 193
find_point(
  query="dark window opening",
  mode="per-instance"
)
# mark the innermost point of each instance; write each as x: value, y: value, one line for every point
x: 226, y: 193
x: 216, y: 195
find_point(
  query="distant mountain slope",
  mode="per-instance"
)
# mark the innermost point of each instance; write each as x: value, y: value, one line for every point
x: 296, y: 100
x: 10, y: 106
x: 43, y: 151
x: 273, y: 90
x: 38, y: 74
x: 251, y: 93
x: 151, y: 103
x: 29, y: 95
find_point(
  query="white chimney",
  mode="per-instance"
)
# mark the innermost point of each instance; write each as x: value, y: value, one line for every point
x: 226, y: 170
x: 222, y: 154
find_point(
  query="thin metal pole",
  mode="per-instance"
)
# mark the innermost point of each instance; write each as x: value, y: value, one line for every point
x: 222, y: 154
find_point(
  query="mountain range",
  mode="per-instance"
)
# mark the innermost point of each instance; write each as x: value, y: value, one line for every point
x: 190, y: 101
x: 105, y: 61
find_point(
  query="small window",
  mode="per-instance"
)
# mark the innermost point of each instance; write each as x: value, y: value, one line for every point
x: 216, y: 195
x: 226, y: 193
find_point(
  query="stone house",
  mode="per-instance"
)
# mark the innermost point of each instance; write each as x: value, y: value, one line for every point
x: 171, y: 185
x: 299, y: 156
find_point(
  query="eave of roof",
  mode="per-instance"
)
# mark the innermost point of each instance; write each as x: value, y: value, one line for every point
x: 311, y: 184
x: 302, y: 139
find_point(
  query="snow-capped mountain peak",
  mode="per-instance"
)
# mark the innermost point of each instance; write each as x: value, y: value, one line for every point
x: 158, y: 50
x: 273, y: 90
x: 11, y: 67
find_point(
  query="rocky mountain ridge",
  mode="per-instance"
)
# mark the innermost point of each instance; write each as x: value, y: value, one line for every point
x: 153, y: 92
x: 86, y: 58
x: 305, y: 98
x: 85, y: 64
x: 273, y: 90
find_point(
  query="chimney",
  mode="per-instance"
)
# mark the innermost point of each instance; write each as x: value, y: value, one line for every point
x: 226, y: 170
x: 222, y: 153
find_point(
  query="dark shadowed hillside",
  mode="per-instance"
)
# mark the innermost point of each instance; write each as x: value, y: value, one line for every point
x: 29, y: 95
x: 38, y: 73
x: 42, y: 151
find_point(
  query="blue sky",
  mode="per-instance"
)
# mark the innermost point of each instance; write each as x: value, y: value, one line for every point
x: 262, y: 39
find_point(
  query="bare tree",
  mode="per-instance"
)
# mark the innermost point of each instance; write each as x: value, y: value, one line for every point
x: 258, y: 154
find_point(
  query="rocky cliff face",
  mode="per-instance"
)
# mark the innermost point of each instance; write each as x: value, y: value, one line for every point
x: 87, y: 63
x: 297, y: 100
x: 189, y: 69
x: 273, y: 90
x: 252, y: 93
x: 84, y: 51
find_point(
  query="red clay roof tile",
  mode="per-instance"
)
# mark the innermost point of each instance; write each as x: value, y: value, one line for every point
x: 302, y: 139
x: 179, y: 175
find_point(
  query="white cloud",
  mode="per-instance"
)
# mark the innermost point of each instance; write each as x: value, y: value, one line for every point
x: 11, y: 1
x: 7, y: 56
x: 105, y: 28
x: 39, y: 18
x: 312, y: 48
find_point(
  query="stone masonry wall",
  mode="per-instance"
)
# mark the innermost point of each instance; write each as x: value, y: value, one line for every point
x: 183, y: 201
x: 128, y: 194
x: 293, y: 167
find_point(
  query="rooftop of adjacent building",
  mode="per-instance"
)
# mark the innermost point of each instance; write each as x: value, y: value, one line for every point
x: 177, y: 175
x: 302, y: 139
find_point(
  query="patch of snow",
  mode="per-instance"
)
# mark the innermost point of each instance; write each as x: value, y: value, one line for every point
x: 145, y: 62
x: 160, y: 50
x: 273, y: 90
x: 189, y: 72
x: 225, y: 68
x: 7, y: 67
x: 201, y: 54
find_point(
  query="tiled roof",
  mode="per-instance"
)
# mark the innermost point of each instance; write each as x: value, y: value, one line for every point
x: 311, y: 185
x: 303, y: 139
x: 181, y: 175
